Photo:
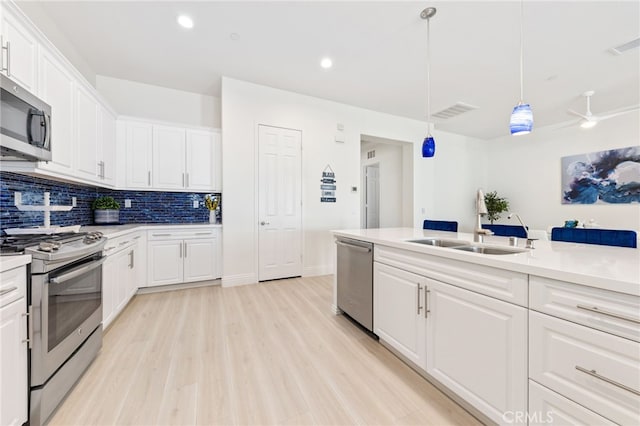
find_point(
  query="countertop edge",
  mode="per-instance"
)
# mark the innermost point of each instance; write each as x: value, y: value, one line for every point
x: 114, y: 231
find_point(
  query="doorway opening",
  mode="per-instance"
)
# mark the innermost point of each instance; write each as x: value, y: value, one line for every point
x: 386, y: 199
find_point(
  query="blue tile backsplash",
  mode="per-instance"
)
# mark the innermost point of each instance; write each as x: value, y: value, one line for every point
x: 146, y: 206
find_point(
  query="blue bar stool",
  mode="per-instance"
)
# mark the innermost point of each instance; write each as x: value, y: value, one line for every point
x: 507, y: 230
x: 604, y: 237
x: 440, y: 225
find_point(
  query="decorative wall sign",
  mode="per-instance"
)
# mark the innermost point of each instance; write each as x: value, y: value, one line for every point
x: 605, y: 177
x: 328, y: 186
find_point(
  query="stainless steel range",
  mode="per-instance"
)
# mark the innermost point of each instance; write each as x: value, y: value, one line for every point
x: 65, y: 312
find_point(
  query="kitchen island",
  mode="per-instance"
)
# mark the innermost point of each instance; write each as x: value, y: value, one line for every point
x: 546, y: 335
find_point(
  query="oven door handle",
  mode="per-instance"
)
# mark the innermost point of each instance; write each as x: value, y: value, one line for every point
x: 77, y: 272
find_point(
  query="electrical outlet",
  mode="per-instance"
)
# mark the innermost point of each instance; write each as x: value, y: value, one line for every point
x: 127, y: 204
x: 195, y: 204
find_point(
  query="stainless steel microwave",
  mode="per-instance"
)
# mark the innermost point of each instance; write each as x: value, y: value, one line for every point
x: 25, y: 124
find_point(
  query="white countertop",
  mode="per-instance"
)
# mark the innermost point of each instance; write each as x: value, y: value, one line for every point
x: 11, y: 262
x: 611, y: 268
x: 113, y: 231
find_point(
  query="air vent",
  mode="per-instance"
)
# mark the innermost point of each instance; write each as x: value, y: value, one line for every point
x: 619, y: 50
x: 454, y: 110
x: 371, y: 154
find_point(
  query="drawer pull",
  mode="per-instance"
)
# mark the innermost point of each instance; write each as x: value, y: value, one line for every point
x: 593, y: 373
x: 161, y: 235
x: 418, y: 298
x: 610, y: 314
x: 203, y: 233
x: 7, y: 290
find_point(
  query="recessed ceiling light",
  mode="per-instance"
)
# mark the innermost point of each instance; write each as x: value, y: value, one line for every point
x: 326, y: 63
x: 185, y: 21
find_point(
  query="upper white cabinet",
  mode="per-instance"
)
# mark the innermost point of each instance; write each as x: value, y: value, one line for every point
x: 169, y: 157
x: 57, y: 88
x: 19, y: 52
x: 86, y: 125
x: 106, y: 146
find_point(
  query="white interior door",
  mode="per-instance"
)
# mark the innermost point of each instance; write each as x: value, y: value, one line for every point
x: 372, y: 196
x: 279, y: 210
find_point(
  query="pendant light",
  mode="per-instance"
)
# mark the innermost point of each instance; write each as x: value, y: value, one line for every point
x: 429, y: 144
x: 521, y: 121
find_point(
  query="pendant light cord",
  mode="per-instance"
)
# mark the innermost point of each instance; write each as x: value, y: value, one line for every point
x: 521, y: 51
x: 428, y: 78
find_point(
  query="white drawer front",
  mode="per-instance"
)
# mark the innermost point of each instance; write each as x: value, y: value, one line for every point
x: 604, y: 310
x: 561, y: 355
x: 178, y: 234
x: 13, y: 285
x: 547, y: 407
x: 499, y: 283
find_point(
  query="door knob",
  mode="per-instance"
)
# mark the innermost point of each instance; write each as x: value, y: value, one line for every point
x: 263, y: 223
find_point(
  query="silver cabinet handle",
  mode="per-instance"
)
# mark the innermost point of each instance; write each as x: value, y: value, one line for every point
x: 7, y: 290
x: 354, y: 247
x: 264, y: 222
x: 101, y: 168
x: 419, y: 288
x: 6, y: 68
x: 77, y: 272
x: 124, y: 242
x: 427, y: 292
x: 136, y: 237
x: 593, y: 373
x: 187, y: 174
x: 180, y: 250
x: 203, y: 233
x: 185, y: 250
x: 149, y: 178
x: 2, y: 67
x: 608, y: 313
x: 29, y: 315
x: 161, y: 235
x: 131, y: 259
x: 183, y: 185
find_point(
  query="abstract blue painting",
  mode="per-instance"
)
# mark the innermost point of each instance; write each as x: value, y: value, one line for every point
x: 605, y: 177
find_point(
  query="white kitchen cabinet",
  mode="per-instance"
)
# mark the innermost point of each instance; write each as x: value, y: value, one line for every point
x: 120, y: 274
x: 477, y: 347
x: 168, y: 157
x: 13, y: 341
x: 398, y: 313
x: 57, y: 88
x: 165, y: 262
x: 178, y: 256
x: 19, y: 52
x: 106, y: 146
x: 86, y: 127
x: 200, y: 169
x: 139, y: 148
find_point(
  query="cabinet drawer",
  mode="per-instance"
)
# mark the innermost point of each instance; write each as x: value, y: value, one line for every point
x: 181, y: 234
x: 114, y: 245
x: 13, y: 285
x: 604, y: 310
x: 549, y: 408
x: 594, y: 369
x: 499, y: 283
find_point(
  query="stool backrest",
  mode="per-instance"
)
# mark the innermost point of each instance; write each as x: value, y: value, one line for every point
x: 604, y: 237
x: 440, y: 225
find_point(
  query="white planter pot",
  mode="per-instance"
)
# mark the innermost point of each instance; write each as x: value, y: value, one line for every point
x: 101, y: 217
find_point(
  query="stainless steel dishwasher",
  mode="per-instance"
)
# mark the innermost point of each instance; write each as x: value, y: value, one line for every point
x: 355, y: 280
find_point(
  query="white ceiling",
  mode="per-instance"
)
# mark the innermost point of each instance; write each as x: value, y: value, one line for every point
x: 378, y: 51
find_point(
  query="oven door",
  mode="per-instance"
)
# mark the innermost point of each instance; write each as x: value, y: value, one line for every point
x: 66, y: 309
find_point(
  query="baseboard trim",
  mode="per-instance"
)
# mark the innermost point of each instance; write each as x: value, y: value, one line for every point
x: 240, y: 279
x: 317, y: 270
x: 173, y: 287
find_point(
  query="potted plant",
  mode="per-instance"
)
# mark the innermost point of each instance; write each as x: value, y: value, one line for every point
x: 105, y: 210
x: 495, y: 205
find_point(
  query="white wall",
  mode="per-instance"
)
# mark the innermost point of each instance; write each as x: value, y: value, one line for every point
x: 159, y: 103
x: 438, y: 189
x: 527, y: 171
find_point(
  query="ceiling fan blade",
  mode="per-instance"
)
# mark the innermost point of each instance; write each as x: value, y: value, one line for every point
x: 617, y: 112
x: 564, y: 125
x: 570, y: 111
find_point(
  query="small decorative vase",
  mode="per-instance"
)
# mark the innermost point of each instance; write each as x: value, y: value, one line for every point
x: 212, y: 216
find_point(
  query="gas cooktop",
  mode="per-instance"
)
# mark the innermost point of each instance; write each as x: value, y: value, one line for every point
x: 19, y: 244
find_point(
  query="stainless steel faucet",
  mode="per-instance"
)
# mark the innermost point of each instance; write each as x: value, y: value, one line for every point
x: 481, y: 210
x: 526, y: 230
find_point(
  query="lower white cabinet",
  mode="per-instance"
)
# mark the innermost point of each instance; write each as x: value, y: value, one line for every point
x: 398, y: 314
x: 477, y: 347
x: 549, y: 408
x: 120, y: 274
x: 178, y: 256
x: 13, y: 343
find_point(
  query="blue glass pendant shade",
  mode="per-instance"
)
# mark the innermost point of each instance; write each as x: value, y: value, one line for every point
x: 428, y: 147
x: 521, y: 121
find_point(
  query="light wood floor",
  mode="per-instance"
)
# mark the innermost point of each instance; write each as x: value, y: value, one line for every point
x: 262, y: 354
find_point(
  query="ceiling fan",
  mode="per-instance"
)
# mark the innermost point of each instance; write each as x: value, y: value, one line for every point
x: 589, y: 120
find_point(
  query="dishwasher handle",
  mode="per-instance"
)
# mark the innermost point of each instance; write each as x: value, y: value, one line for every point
x: 354, y: 247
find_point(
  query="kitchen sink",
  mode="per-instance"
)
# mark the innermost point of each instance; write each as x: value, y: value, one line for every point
x: 490, y: 250
x: 440, y: 242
